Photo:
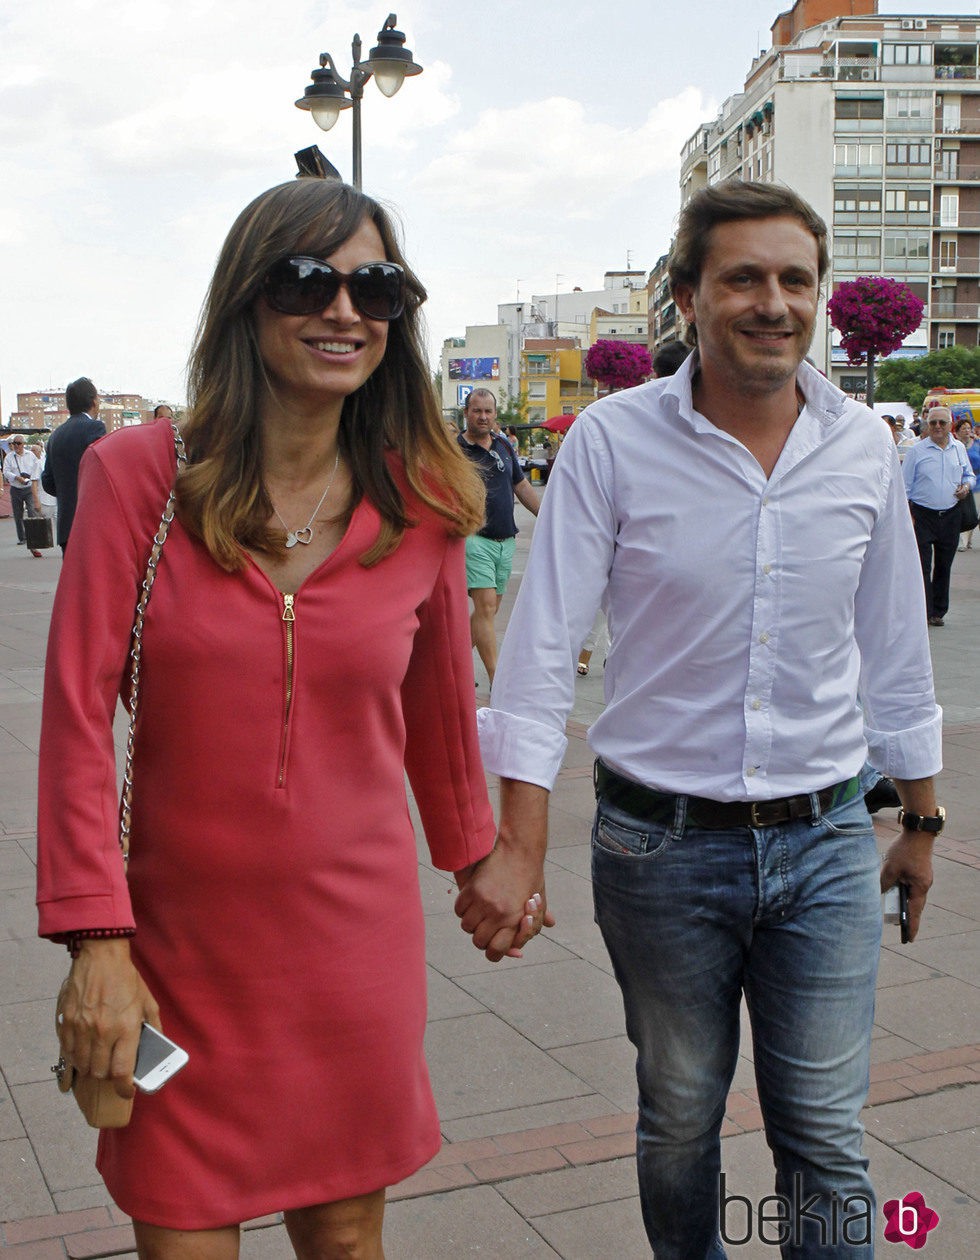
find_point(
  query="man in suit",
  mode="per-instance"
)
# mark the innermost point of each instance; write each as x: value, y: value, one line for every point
x: 66, y: 446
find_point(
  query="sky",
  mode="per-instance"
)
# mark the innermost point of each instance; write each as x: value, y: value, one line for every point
x: 538, y: 149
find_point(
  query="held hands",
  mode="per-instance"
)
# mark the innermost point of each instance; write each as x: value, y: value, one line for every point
x: 495, y: 906
x: 101, y: 1010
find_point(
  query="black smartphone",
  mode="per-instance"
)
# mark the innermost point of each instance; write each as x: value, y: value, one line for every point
x: 903, y: 913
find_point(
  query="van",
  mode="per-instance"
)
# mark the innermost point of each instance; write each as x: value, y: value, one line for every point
x: 963, y: 403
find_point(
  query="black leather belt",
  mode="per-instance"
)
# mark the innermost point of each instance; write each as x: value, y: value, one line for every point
x: 644, y: 802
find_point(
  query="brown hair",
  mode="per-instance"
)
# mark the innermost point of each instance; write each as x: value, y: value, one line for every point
x: 727, y: 202
x: 220, y: 495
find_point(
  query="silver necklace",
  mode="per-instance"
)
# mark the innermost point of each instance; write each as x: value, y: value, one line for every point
x: 305, y: 535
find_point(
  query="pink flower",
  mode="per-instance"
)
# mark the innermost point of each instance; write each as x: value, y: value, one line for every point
x: 618, y: 364
x: 874, y: 315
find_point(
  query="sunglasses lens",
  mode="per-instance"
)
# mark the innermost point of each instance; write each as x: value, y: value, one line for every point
x: 378, y: 290
x: 302, y: 286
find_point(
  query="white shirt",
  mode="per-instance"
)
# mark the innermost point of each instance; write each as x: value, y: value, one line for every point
x: 746, y: 614
x: 20, y: 462
x: 932, y: 472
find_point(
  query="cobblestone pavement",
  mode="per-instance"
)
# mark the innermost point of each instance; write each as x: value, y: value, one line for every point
x: 529, y: 1060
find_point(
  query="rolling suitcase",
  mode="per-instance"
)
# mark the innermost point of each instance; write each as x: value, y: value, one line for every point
x: 38, y: 532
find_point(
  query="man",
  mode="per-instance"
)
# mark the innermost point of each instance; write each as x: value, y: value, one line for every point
x: 66, y: 446
x: 747, y: 524
x: 163, y: 411
x: 490, y: 553
x: 21, y: 470
x: 937, y: 476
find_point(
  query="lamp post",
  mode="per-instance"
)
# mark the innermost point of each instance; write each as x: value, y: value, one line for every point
x: 389, y: 62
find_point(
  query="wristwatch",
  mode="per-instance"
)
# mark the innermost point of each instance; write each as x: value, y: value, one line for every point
x: 933, y: 823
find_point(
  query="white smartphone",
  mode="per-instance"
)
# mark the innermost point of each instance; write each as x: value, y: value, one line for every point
x: 157, y: 1059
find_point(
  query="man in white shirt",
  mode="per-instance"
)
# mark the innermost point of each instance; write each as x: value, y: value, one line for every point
x: 22, y: 471
x: 746, y: 526
x: 937, y: 475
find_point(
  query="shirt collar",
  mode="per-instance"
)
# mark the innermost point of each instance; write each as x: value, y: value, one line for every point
x: 821, y: 397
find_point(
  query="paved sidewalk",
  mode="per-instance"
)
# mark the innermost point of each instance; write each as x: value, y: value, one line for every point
x: 530, y: 1061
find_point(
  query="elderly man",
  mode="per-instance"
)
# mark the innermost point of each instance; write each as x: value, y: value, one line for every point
x: 747, y: 525
x: 937, y: 474
x: 490, y: 553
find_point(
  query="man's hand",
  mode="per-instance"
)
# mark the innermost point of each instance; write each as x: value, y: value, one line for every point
x: 502, y: 901
x: 909, y: 857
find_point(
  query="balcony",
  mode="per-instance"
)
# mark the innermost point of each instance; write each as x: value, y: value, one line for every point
x: 966, y: 220
x: 954, y: 311
x: 958, y: 174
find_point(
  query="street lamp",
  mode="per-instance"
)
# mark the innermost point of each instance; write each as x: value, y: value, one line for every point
x: 390, y: 62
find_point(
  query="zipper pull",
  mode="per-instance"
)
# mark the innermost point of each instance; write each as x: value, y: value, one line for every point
x: 288, y: 612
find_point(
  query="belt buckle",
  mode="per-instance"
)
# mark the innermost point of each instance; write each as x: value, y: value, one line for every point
x: 755, y: 818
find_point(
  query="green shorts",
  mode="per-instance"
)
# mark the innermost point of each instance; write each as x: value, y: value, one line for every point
x: 488, y: 563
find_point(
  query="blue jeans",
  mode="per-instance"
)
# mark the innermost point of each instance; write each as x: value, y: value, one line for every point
x: 790, y: 915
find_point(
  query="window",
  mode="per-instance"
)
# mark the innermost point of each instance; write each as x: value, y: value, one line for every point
x: 951, y: 113
x: 949, y: 163
x: 908, y: 205
x: 857, y: 159
x: 907, y: 251
x: 859, y: 250
x: 910, y: 105
x: 859, y: 107
x: 947, y: 338
x: 947, y: 255
x: 907, y: 55
x: 857, y: 205
x: 949, y: 209
x: 902, y: 154
x: 853, y: 385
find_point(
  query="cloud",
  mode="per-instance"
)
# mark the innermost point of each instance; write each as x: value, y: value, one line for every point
x: 552, y: 154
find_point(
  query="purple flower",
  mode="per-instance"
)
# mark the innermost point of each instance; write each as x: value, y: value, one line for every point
x: 874, y: 315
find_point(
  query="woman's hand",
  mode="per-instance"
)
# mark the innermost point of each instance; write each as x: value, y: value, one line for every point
x: 102, y: 1007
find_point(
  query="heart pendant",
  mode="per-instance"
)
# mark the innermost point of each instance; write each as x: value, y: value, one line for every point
x: 304, y: 535
x: 290, y: 539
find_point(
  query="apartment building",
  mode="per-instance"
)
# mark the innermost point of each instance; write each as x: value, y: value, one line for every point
x: 45, y: 410
x: 875, y: 120
x: 492, y: 356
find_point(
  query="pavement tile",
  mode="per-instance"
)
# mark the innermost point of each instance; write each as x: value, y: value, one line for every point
x: 463, y: 1152
x: 468, y: 1222
x: 101, y: 1242
x: 433, y: 1181
x: 516, y: 1164
x: 451, y: 952
x: 608, y: 1066
x: 886, y: 1046
x: 55, y: 1224
x: 535, y: 1139
x: 612, y: 1146
x: 80, y: 1197
x: 917, y: 1117
x: 931, y: 1082
x: 553, y: 1004
x: 28, y: 1045
x: 30, y: 969
x: 602, y: 1126
x: 560, y: 1111
x: 936, y: 1014
x: 16, y: 869
x: 587, y: 1233
x: 10, y: 1121
x: 479, y: 1064
x: 446, y: 998
x: 957, y: 956
x: 64, y: 1143
x: 887, y: 1091
x: 571, y: 1188
x: 265, y: 1244
x: 955, y: 1157
x: 22, y: 1188
x: 44, y: 1249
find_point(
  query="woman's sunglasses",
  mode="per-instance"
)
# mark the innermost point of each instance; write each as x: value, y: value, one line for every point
x: 303, y: 286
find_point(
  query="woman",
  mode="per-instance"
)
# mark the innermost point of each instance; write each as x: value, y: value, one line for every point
x: 964, y: 432
x: 306, y: 642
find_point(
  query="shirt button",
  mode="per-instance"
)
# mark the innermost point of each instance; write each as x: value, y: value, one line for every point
x: 750, y: 772
x: 765, y: 502
x: 764, y: 637
x: 756, y: 704
x: 767, y: 568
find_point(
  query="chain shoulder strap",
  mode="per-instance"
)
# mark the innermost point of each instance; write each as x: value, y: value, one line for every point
x: 136, y: 645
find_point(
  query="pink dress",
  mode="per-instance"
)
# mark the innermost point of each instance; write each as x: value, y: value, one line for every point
x: 273, y: 871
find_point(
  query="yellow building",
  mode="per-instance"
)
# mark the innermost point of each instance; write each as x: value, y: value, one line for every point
x: 553, y: 378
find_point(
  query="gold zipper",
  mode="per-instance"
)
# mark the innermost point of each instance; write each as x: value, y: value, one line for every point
x: 289, y: 617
